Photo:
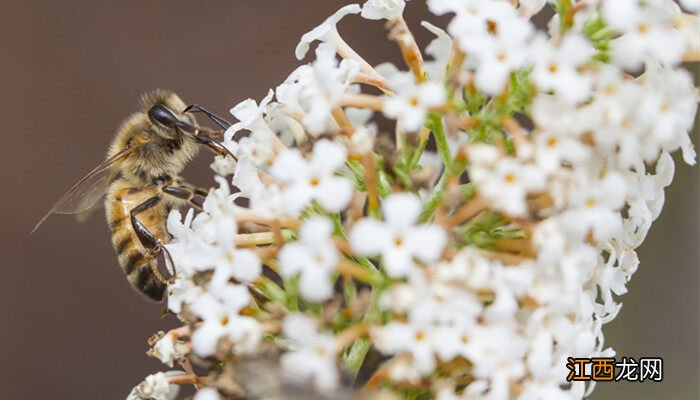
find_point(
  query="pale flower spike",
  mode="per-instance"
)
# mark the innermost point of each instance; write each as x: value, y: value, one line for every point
x: 475, y: 266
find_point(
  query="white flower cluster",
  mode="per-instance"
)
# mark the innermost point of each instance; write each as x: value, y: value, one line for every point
x: 476, y: 275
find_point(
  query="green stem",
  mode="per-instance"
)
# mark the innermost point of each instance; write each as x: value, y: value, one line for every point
x: 358, y: 351
x: 415, y: 159
x: 435, y: 125
x: 271, y: 290
x: 340, y: 231
x: 292, y: 290
x: 435, y: 197
x: 356, y: 356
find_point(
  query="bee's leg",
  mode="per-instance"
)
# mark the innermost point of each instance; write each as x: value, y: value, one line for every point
x: 215, y: 146
x: 217, y: 120
x: 151, y: 243
x: 193, y: 196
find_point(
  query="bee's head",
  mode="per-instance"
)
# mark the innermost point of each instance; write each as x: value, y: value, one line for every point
x: 165, y: 113
x: 174, y: 127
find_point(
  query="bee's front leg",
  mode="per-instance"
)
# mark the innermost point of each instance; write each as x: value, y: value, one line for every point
x: 218, y: 148
x: 192, y: 195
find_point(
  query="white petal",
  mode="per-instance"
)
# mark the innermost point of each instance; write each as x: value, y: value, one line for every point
x: 206, y: 337
x: 247, y: 112
x: 316, y: 230
x: 334, y: 193
x: 383, y: 9
x: 397, y: 261
x: 315, y: 285
x: 427, y: 242
x: 235, y: 297
x: 327, y: 156
x: 207, y: 307
x: 207, y: 393
x: 369, y: 237
x: 299, y: 327
x: 246, y: 178
x: 401, y: 209
x: 431, y: 94
x: 247, y: 266
x: 289, y: 166
x: 293, y: 258
x: 319, y: 32
x: 296, y: 197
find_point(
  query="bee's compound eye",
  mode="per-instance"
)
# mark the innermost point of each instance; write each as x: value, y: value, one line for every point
x: 163, y: 116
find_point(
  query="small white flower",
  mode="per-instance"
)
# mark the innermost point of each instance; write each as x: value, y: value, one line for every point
x: 412, y: 101
x: 314, y: 257
x: 691, y: 5
x: 553, y: 148
x: 313, y: 354
x: 645, y: 198
x: 227, y: 260
x: 494, y: 38
x: 261, y: 145
x: 416, y: 340
x: 168, y: 350
x: 439, y: 49
x: 208, y: 241
x: 595, y: 208
x: 220, y: 318
x: 330, y: 80
x: 314, y: 179
x: 496, y: 351
x: 614, y: 275
x: 531, y: 7
x: 324, y: 31
x: 182, y: 291
x: 250, y: 115
x: 207, y: 393
x: 505, y: 181
x: 556, y: 68
x: 399, y: 239
x: 246, y: 178
x: 648, y: 32
x: 498, y: 58
x: 383, y: 9
x: 312, y: 91
x: 156, y: 387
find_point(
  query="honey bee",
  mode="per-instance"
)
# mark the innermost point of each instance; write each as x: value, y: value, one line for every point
x: 140, y: 183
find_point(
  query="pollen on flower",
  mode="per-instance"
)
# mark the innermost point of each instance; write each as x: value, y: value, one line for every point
x: 320, y: 352
x: 471, y: 214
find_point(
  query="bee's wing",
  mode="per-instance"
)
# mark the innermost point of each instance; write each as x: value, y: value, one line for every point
x: 85, y: 215
x: 84, y: 194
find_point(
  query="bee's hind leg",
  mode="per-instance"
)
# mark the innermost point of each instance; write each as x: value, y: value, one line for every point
x: 193, y: 108
x: 151, y: 243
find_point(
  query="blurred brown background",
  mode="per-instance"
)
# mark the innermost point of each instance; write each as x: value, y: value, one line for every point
x: 70, y: 71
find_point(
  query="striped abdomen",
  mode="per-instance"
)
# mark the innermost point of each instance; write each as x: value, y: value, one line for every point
x: 138, y: 264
